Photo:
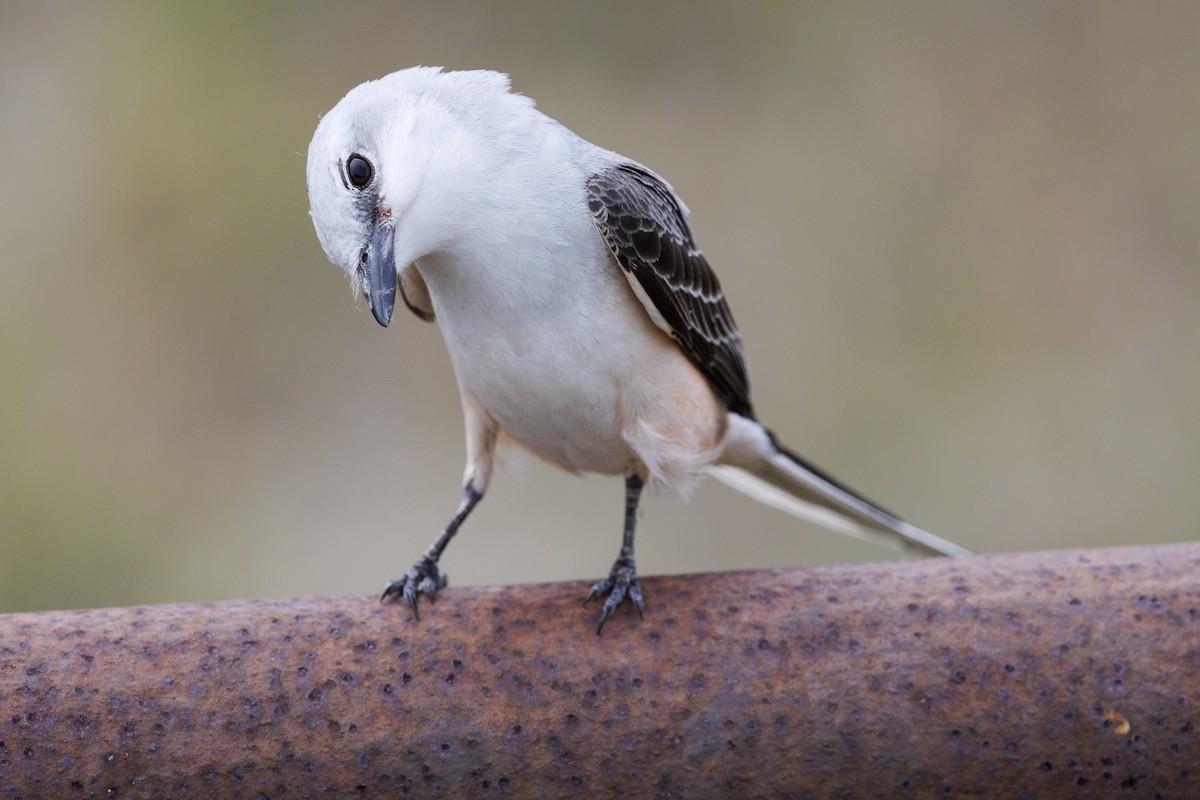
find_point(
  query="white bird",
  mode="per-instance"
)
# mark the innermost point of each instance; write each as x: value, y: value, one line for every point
x: 580, y: 316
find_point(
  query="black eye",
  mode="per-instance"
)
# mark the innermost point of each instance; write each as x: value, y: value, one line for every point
x: 359, y: 171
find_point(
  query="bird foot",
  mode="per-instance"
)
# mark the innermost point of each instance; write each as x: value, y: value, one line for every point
x: 424, y: 577
x: 621, y: 584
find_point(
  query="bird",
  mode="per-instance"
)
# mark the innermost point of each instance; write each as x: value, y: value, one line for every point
x: 582, y: 320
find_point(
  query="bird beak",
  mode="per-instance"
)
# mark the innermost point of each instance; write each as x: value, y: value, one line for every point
x: 378, y: 272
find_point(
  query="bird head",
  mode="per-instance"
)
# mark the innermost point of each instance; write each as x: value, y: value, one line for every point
x: 388, y: 166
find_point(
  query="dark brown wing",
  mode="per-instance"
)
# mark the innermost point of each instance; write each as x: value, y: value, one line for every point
x: 645, y: 227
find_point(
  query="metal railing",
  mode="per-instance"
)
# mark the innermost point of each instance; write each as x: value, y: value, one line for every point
x: 1042, y: 675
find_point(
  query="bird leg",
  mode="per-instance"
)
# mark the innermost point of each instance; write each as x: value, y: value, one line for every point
x: 622, y: 581
x: 425, y: 575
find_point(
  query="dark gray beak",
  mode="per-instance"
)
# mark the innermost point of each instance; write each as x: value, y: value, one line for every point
x: 377, y: 269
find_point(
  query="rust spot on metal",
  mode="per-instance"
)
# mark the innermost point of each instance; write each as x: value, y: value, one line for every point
x: 985, y: 676
x: 1118, y: 723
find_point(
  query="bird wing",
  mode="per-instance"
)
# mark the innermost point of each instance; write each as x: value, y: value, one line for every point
x: 415, y: 293
x: 646, y: 229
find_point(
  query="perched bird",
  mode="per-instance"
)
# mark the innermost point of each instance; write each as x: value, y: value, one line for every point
x: 581, y: 318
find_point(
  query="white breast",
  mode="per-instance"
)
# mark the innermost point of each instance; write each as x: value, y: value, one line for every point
x: 543, y: 356
x: 545, y: 332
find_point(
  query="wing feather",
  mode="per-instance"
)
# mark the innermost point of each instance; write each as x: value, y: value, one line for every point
x: 646, y: 228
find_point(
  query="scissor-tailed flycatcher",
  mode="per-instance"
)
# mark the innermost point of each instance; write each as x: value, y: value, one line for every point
x: 581, y: 318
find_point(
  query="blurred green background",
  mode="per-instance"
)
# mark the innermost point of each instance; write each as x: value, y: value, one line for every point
x: 962, y: 241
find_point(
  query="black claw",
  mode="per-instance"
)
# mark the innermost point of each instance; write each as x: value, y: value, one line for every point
x: 621, y: 584
x: 598, y: 588
x: 425, y: 577
x: 635, y: 594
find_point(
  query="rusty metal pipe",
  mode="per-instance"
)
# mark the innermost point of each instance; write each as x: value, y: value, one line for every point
x: 1042, y: 675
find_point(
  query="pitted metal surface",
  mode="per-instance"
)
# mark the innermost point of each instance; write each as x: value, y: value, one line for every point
x: 1040, y: 675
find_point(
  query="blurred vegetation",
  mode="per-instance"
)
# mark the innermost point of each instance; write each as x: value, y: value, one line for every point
x: 961, y: 240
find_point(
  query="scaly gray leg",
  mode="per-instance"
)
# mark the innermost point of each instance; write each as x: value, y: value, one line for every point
x: 622, y: 581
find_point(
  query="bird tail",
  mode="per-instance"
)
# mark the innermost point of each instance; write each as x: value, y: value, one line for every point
x: 785, y: 481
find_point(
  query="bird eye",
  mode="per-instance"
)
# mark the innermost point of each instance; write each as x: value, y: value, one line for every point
x: 359, y: 171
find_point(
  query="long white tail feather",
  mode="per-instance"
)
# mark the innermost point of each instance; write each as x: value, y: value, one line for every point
x: 781, y: 482
x: 775, y: 497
